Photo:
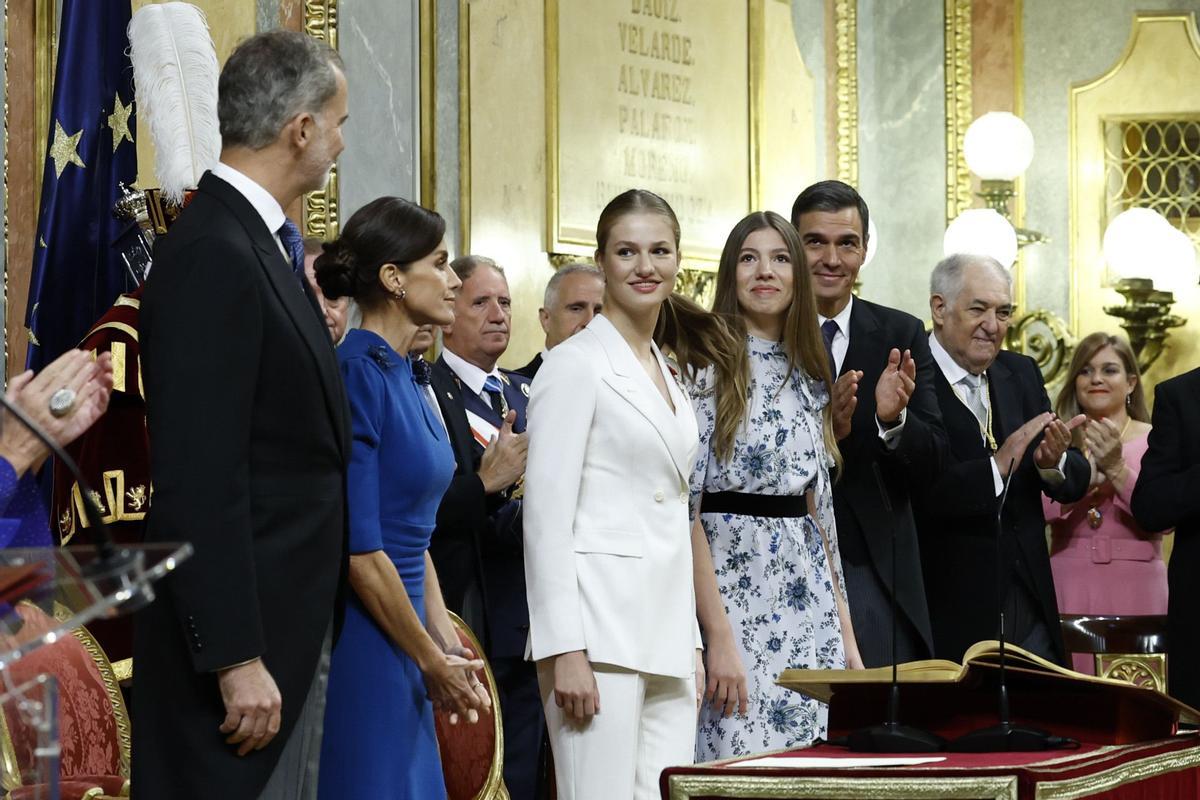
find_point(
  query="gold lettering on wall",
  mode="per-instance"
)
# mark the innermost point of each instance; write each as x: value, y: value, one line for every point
x: 659, y: 100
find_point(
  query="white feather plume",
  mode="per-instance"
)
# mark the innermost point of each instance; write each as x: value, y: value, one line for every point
x: 175, y: 74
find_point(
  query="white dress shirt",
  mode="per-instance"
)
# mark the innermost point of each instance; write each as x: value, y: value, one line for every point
x: 264, y: 202
x: 840, y: 344
x: 472, y: 376
x: 954, y: 374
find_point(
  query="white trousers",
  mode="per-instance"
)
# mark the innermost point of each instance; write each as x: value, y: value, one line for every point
x: 646, y: 724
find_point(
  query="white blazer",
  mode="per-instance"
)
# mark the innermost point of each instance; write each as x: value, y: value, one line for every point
x: 608, y: 556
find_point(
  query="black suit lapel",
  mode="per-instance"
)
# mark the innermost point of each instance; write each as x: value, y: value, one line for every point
x: 862, y: 345
x: 311, y: 329
x: 300, y: 307
x: 1004, y: 390
x: 449, y: 397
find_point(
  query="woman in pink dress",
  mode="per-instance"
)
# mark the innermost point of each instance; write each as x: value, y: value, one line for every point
x: 1103, y: 563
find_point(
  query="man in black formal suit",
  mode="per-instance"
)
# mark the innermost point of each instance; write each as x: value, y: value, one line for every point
x: 1167, y: 495
x: 477, y: 545
x: 997, y: 416
x: 574, y: 294
x: 885, y: 416
x: 249, y: 437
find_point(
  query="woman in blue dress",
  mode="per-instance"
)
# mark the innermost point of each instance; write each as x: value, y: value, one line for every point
x: 398, y: 654
x: 761, y: 489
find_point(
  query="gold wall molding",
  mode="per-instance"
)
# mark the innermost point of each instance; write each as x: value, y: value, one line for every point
x: 845, y: 42
x: 320, y: 214
x: 958, y: 105
x: 1149, y: 80
x: 464, y: 126
x: 427, y: 12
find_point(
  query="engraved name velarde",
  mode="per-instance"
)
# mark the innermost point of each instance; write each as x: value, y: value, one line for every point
x: 652, y: 34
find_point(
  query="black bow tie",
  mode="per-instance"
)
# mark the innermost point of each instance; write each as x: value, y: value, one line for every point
x: 421, y: 371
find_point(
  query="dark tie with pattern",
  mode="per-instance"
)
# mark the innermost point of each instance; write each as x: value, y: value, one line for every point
x: 293, y: 242
x: 495, y: 393
x: 829, y: 329
x: 421, y: 371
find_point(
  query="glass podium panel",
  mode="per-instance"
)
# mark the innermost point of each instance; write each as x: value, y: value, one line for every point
x: 64, y: 730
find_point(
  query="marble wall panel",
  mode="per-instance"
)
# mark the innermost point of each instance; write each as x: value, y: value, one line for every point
x: 379, y: 42
x: 901, y: 140
x: 446, y: 167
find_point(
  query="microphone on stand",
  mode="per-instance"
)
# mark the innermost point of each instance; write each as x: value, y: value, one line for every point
x: 109, y: 571
x: 891, y: 736
x: 1006, y: 737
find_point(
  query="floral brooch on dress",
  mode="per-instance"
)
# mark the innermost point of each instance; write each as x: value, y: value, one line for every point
x: 381, y: 354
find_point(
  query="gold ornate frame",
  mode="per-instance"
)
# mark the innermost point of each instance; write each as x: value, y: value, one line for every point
x: 958, y: 105
x: 845, y: 45
x: 684, y: 787
x: 427, y: 16
x: 464, y: 126
x: 10, y: 777
x: 493, y: 787
x: 320, y: 214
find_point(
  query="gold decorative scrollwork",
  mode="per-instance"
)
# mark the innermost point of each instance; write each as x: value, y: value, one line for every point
x: 321, y: 207
x: 958, y: 105
x: 845, y: 16
x: 1146, y: 670
x: 560, y: 260
x: 697, y: 283
x: 1045, y: 338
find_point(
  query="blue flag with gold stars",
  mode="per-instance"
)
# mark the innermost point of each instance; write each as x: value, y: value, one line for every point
x: 77, y: 273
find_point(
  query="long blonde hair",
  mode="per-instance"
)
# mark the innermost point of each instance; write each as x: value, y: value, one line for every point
x: 801, y: 342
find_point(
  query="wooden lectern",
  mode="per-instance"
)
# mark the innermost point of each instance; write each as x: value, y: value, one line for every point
x: 952, y: 699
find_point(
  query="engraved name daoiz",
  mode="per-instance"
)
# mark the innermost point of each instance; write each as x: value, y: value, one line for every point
x: 659, y: 9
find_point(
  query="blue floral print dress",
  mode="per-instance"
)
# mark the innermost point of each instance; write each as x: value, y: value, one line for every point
x: 773, y: 573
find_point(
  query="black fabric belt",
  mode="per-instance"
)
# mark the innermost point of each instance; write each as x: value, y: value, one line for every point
x: 754, y: 505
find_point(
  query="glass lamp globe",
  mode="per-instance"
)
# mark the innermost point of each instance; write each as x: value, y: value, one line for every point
x: 1136, y: 241
x: 872, y: 242
x: 998, y: 146
x: 982, y: 231
x: 1174, y: 266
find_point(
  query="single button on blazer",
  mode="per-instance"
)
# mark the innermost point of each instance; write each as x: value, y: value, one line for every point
x: 608, y: 555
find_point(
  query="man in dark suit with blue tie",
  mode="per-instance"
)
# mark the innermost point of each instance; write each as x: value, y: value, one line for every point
x: 886, y: 417
x: 477, y: 545
x: 249, y: 441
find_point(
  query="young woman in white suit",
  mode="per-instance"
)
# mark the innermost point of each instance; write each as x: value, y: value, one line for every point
x: 608, y: 551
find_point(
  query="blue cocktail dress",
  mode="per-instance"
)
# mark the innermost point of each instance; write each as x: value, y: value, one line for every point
x: 379, y: 739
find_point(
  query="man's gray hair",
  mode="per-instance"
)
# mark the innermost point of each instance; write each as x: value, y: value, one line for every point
x: 465, y: 266
x: 947, y: 276
x: 550, y: 299
x: 268, y: 80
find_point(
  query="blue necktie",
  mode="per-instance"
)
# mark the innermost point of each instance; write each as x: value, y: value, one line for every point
x: 495, y: 393
x: 829, y: 329
x: 293, y: 242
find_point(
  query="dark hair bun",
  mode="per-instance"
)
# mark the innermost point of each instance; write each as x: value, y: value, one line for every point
x: 336, y: 270
x: 387, y: 230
